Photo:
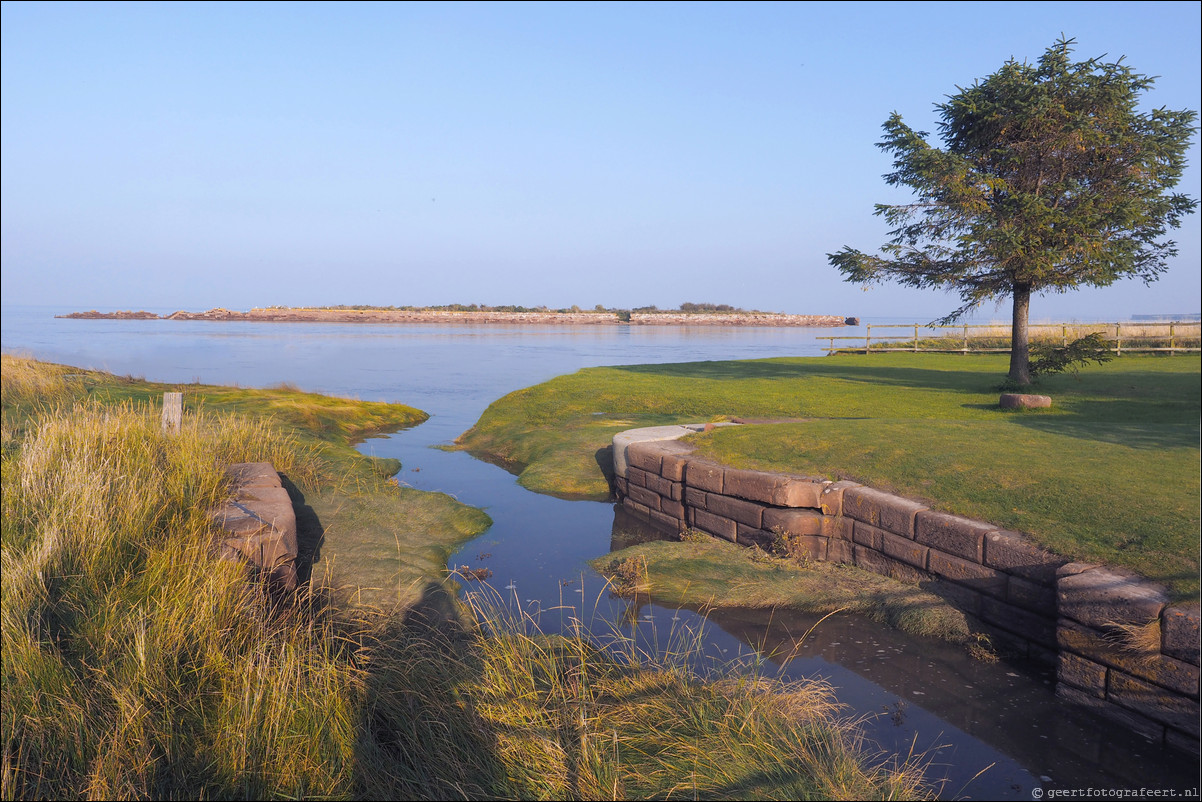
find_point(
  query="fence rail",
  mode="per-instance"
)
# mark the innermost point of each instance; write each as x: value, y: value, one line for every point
x: 1168, y: 337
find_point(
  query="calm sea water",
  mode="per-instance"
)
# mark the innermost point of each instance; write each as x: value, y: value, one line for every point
x: 1001, y: 722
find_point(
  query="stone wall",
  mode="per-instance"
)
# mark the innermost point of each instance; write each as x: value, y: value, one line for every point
x: 259, y: 523
x: 1117, y: 644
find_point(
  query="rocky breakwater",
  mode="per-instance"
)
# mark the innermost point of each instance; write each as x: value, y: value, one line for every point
x: 258, y: 524
x: 1117, y: 643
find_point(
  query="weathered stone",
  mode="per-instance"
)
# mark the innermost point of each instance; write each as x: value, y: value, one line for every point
x: 253, y: 474
x: 738, y: 510
x: 751, y: 485
x: 964, y: 598
x: 694, y: 497
x: 1153, y: 702
x: 832, y: 497
x: 965, y: 572
x: 839, y: 527
x: 672, y: 508
x: 648, y: 498
x: 1032, y: 626
x: 793, y: 522
x: 953, y: 534
x: 715, y: 525
x: 877, y: 563
x: 1103, y: 598
x: 1031, y: 595
x: 1168, y: 672
x: 637, y: 508
x: 884, y: 510
x: 813, y: 547
x: 904, y: 549
x: 760, y: 538
x: 672, y: 467
x: 259, y: 523
x: 704, y: 475
x: 1014, y: 553
x: 840, y: 551
x: 665, y: 521
x: 620, y: 486
x: 1024, y: 401
x: 1179, y: 631
x: 1140, y: 725
x: 1081, y: 673
x: 866, y: 535
x: 799, y: 491
x: 644, y: 455
x: 635, y: 477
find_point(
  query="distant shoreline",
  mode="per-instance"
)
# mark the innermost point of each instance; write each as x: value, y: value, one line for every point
x: 539, y: 317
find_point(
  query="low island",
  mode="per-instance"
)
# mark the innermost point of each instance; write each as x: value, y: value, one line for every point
x: 689, y: 314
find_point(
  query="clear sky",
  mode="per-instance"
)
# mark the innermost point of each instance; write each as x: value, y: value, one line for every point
x: 242, y: 154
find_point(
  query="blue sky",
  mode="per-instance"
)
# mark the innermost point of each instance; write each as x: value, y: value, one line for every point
x: 199, y: 155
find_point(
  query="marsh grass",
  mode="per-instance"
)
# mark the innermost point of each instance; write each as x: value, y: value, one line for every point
x: 663, y: 724
x: 136, y: 666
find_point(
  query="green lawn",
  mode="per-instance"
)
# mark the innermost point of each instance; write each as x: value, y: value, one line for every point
x: 1110, y: 473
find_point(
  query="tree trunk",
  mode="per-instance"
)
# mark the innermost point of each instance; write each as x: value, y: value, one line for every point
x: 1020, y: 355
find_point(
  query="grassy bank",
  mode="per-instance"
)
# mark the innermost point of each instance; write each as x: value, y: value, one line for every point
x: 1109, y: 474
x: 135, y: 666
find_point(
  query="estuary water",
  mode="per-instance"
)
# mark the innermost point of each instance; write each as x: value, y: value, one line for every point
x: 990, y: 731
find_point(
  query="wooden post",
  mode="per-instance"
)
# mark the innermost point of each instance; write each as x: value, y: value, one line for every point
x: 1172, y: 340
x: 916, y: 338
x: 867, y: 336
x: 173, y: 412
x: 966, y: 338
x: 1118, y: 340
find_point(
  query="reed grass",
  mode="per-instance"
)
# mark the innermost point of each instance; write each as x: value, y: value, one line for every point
x: 137, y: 666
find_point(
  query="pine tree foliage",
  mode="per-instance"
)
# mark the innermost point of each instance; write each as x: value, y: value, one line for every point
x: 1050, y: 178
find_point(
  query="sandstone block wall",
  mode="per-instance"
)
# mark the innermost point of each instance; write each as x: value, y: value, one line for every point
x: 259, y: 523
x: 1117, y: 644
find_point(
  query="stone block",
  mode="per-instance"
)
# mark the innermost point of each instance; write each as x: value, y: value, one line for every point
x: 1031, y: 595
x: 1154, y: 702
x: 660, y: 485
x: 1024, y: 401
x: 645, y: 455
x: 665, y: 521
x: 635, y: 477
x: 813, y: 547
x: 620, y: 486
x: 1168, y: 672
x: 744, y: 512
x: 1084, y: 674
x: 694, y: 497
x: 672, y: 467
x: 648, y: 498
x: 952, y: 534
x: 832, y: 497
x: 966, y: 572
x: 750, y: 485
x: 904, y: 549
x: 840, y: 551
x: 704, y: 475
x: 1015, y: 553
x: 884, y: 510
x: 635, y: 507
x: 673, y: 509
x: 1179, y: 632
x: 961, y: 597
x: 1032, y: 626
x: 839, y: 527
x: 794, y: 522
x: 1104, y: 597
x: 761, y: 538
x: 866, y: 535
x: 800, y: 491
x: 676, y: 491
x: 716, y: 525
x: 877, y: 563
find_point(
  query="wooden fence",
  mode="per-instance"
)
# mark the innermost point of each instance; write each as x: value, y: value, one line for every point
x: 1169, y: 337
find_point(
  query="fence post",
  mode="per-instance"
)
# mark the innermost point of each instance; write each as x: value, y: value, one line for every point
x: 1172, y: 340
x: 867, y: 337
x: 916, y: 338
x: 966, y: 338
x: 1063, y: 335
x: 1118, y: 340
x: 173, y: 412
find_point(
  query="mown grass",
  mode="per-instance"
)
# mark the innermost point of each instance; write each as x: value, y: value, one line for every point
x: 1110, y: 473
x: 136, y: 666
